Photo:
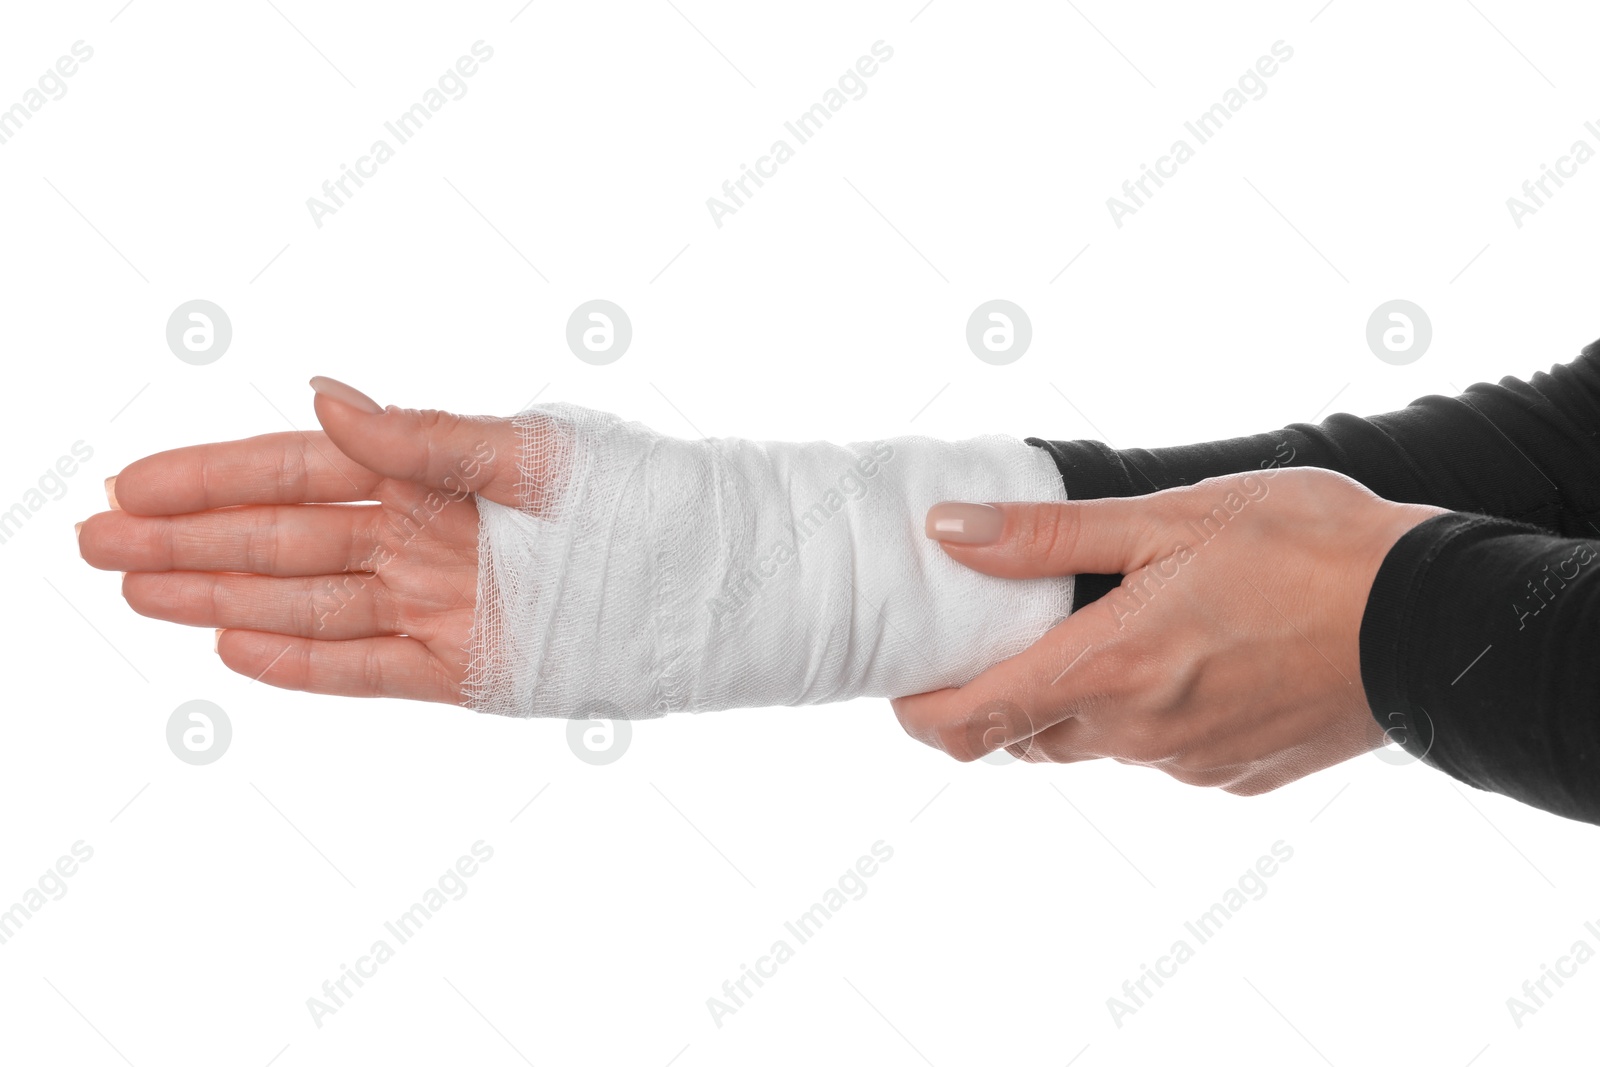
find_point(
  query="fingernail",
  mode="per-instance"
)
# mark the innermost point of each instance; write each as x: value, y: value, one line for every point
x: 77, y: 530
x: 959, y: 523
x: 111, y: 493
x: 216, y: 642
x: 345, y: 394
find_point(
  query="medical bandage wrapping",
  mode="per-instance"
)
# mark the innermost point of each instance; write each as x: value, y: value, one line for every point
x: 646, y: 574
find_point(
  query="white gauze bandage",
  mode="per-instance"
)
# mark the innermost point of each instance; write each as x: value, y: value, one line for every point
x: 648, y: 574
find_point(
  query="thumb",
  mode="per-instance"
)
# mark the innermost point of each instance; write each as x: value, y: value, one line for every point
x: 433, y: 448
x: 1111, y: 536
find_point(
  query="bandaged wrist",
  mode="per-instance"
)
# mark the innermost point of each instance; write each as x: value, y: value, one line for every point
x: 646, y: 574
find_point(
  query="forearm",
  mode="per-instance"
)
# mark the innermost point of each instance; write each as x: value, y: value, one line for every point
x: 651, y: 574
x: 1527, y: 451
x: 1478, y: 655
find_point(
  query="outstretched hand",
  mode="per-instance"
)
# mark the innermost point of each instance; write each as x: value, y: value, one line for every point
x: 1230, y: 654
x: 264, y: 540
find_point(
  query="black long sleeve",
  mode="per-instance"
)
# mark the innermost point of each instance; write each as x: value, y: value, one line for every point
x: 1479, y: 641
x: 1478, y: 653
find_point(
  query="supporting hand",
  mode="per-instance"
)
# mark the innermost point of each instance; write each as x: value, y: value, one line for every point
x: 1230, y: 654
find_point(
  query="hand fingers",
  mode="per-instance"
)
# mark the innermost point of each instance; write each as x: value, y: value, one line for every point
x: 456, y: 453
x: 277, y: 468
x: 283, y: 540
x: 1011, y: 701
x: 366, y: 667
x: 329, y: 607
x: 1110, y: 536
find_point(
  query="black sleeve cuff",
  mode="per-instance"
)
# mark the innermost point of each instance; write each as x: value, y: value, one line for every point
x: 1478, y: 656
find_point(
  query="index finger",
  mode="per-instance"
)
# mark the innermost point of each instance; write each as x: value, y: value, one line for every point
x: 1110, y: 535
x: 275, y: 468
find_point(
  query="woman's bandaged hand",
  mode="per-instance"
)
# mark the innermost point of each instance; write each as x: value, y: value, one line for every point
x: 650, y: 574
x: 566, y: 562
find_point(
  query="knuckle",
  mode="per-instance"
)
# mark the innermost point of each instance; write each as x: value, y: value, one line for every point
x: 294, y: 473
x: 215, y: 598
x: 436, y: 430
x: 260, y: 545
x: 433, y: 419
x: 1048, y: 531
x: 168, y: 544
x: 372, y: 670
x: 317, y: 611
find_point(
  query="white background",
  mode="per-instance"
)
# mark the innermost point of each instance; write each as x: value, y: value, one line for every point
x: 833, y: 305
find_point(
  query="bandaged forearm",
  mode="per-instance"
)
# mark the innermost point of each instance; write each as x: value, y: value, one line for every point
x: 646, y: 574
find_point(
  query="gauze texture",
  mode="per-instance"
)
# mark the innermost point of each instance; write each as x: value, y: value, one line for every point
x: 646, y: 574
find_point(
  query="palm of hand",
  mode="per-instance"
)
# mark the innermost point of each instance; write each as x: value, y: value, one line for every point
x: 320, y: 572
